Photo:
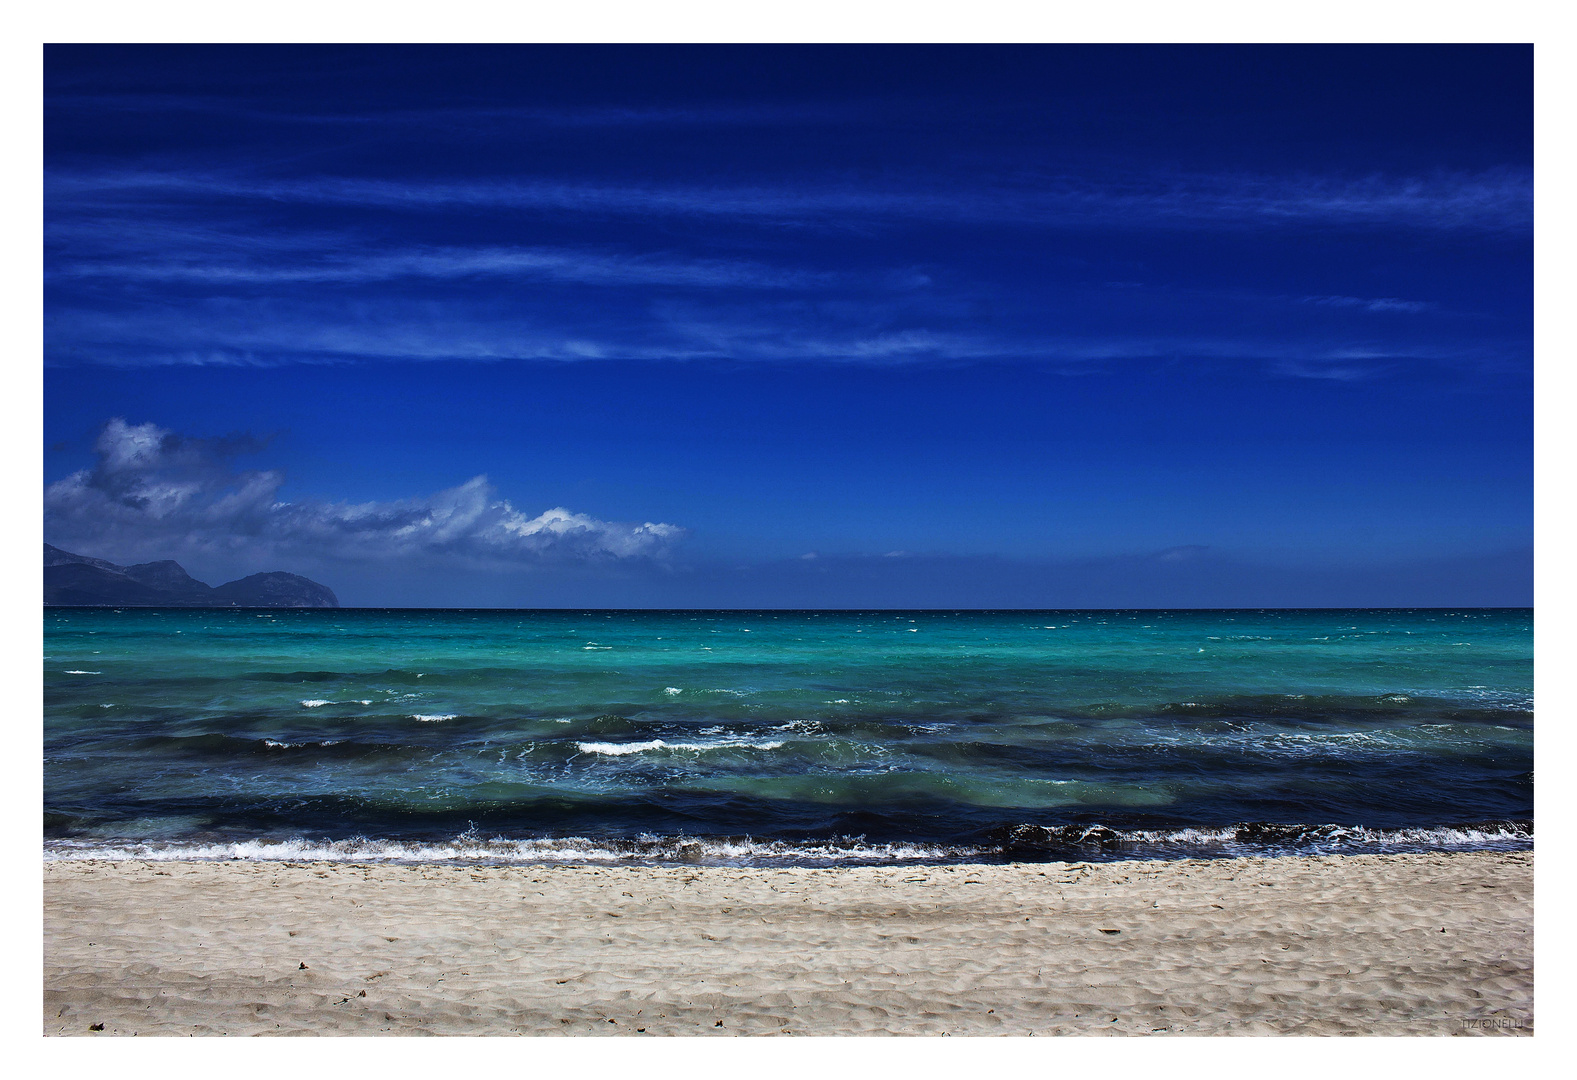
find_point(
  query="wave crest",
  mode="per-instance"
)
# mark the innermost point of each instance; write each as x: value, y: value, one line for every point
x: 624, y: 749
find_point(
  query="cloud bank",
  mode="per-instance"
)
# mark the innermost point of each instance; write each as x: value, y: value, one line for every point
x: 157, y: 494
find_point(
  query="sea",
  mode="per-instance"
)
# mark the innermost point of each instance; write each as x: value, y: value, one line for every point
x: 763, y: 738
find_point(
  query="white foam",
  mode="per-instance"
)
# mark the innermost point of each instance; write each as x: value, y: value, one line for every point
x: 468, y: 847
x: 315, y: 703
x: 1332, y: 838
x: 84, y: 673
x: 472, y: 849
x: 434, y: 718
x: 803, y: 727
x: 619, y: 749
x: 672, y: 691
x: 623, y: 749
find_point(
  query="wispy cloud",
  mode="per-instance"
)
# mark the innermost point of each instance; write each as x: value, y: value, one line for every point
x: 1386, y: 303
x: 239, y: 265
x: 154, y: 493
x: 201, y: 268
x: 1331, y: 372
x: 266, y: 333
x: 1495, y: 200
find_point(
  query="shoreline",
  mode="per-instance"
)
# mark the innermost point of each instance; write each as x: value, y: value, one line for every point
x: 1425, y: 944
x: 1006, y: 845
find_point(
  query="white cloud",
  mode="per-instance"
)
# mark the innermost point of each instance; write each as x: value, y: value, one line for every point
x: 156, y: 494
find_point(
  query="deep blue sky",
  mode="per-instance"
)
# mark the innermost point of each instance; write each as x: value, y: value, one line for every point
x: 972, y: 326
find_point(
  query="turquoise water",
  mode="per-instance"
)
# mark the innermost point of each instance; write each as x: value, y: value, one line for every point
x: 773, y: 735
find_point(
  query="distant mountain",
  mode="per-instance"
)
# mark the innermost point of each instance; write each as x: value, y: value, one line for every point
x: 79, y: 581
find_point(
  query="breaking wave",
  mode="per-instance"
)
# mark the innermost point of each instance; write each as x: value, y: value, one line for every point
x: 1019, y: 843
x: 623, y: 749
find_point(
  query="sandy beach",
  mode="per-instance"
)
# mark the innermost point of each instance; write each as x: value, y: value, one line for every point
x: 1434, y: 944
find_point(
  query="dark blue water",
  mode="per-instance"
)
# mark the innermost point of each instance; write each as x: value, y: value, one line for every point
x: 797, y: 736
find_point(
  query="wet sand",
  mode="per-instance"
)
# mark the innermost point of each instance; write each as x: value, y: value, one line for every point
x: 1437, y: 944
